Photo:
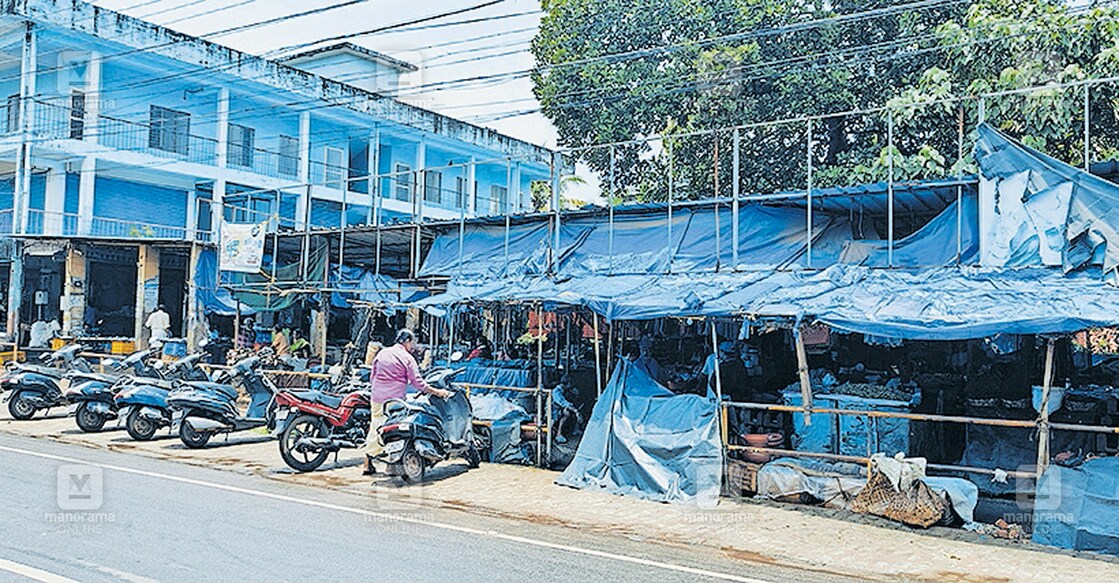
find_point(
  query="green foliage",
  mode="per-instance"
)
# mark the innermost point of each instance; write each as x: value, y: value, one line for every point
x: 615, y: 70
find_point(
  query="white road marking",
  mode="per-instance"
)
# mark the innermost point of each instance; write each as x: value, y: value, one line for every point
x: 32, y: 573
x: 397, y: 518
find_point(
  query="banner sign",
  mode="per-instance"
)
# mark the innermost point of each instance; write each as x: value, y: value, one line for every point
x: 242, y: 247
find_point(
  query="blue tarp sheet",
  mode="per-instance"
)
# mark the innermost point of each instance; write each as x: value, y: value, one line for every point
x: 1045, y: 212
x: 214, y: 300
x: 1078, y: 508
x: 382, y: 290
x: 644, y: 441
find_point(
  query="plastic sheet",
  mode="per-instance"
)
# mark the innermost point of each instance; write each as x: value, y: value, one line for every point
x: 644, y: 441
x: 1078, y: 508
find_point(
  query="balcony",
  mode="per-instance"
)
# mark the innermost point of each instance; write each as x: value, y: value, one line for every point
x: 47, y: 223
x: 54, y: 120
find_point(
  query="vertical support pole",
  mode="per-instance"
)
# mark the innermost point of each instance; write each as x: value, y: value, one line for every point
x: 982, y: 110
x: 237, y: 325
x: 462, y: 231
x: 471, y: 186
x: 1087, y: 128
x: 890, y: 189
x: 450, y: 332
x: 539, y: 382
x: 147, y: 290
x: 715, y: 198
x: 610, y: 346
x: 304, y: 258
x: 960, y: 187
x: 505, y: 210
x: 275, y: 247
x: 597, y: 356
x: 610, y: 234
x: 736, y: 188
x: 22, y: 186
x: 342, y: 225
x: 1043, y: 414
x: 374, y: 187
x: 802, y: 371
x: 808, y: 193
x: 718, y: 385
x: 305, y: 151
x: 671, y: 195
x: 557, y: 204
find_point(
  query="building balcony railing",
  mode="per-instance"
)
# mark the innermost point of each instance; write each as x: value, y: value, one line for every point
x: 49, y: 223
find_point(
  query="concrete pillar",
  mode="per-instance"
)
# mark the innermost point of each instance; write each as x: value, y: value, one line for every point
x: 54, y: 203
x: 28, y: 74
x: 15, y: 290
x: 305, y: 147
x: 93, y: 99
x: 195, y: 325
x: 147, y: 291
x: 86, y: 181
x: 73, y: 293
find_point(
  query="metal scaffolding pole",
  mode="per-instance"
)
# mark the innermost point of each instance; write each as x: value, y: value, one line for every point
x: 505, y: 209
x: 597, y: 356
x: 539, y: 381
x: 718, y: 227
x: 959, y: 187
x: 462, y: 221
x: 1087, y: 128
x: 736, y: 188
x: 808, y: 193
x: 557, y: 203
x: 671, y: 194
x: 304, y: 260
x: 613, y: 185
x: 342, y: 230
x: 890, y: 189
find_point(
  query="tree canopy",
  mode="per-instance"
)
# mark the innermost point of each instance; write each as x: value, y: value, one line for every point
x: 614, y: 70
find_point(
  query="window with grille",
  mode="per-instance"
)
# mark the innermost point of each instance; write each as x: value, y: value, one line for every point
x: 77, y: 115
x: 403, y: 181
x: 433, y: 187
x: 289, y: 156
x: 460, y: 192
x: 169, y: 130
x: 335, y: 167
x: 499, y: 200
x: 241, y: 145
x: 13, y: 113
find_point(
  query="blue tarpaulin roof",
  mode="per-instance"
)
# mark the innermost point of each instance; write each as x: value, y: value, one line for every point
x: 929, y: 292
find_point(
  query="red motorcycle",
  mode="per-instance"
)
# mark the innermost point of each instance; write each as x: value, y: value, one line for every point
x: 313, y: 424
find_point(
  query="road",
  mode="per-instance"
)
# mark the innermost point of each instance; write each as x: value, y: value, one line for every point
x: 154, y: 520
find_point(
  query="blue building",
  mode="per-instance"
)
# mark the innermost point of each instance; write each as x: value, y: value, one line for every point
x: 125, y: 145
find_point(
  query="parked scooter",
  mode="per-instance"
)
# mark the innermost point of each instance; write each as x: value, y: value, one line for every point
x: 142, y: 402
x: 313, y: 424
x: 422, y: 431
x: 93, y: 393
x: 202, y: 410
x: 31, y: 388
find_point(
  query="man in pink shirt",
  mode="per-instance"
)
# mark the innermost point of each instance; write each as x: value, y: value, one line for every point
x: 394, y: 370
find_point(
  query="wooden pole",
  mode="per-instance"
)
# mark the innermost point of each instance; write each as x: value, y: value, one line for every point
x: 597, y: 356
x: 539, y: 380
x: 805, y: 381
x: 1043, y: 414
x: 718, y: 384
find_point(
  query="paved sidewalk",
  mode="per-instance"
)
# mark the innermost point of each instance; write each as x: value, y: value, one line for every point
x: 751, y: 531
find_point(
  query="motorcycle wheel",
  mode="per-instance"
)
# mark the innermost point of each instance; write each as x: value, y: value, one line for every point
x: 473, y: 458
x: 411, y: 466
x: 303, y: 426
x: 88, y: 421
x: 139, y: 427
x: 21, y: 407
x: 191, y: 438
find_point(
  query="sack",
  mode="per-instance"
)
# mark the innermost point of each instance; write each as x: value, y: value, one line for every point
x: 917, y: 505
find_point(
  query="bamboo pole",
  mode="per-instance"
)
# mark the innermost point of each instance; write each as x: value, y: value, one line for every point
x: 863, y: 461
x: 805, y: 381
x: 1043, y: 415
x: 539, y: 378
x: 718, y: 383
x: 597, y: 356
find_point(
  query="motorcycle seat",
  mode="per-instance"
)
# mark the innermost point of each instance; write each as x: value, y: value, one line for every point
x: 78, y: 377
x: 331, y: 401
x: 226, y: 390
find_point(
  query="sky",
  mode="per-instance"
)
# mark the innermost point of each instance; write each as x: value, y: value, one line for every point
x: 443, y: 52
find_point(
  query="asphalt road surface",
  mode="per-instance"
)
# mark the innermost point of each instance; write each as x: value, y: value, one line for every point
x: 78, y: 514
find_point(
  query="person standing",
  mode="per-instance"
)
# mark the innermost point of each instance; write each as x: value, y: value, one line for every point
x: 159, y: 323
x: 280, y: 344
x: 394, y: 370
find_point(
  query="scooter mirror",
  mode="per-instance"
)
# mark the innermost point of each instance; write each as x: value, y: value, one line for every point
x: 457, y: 356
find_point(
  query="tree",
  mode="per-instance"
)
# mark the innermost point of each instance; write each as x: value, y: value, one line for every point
x: 611, y: 70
